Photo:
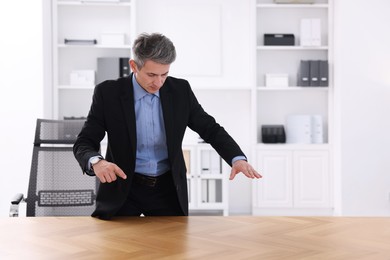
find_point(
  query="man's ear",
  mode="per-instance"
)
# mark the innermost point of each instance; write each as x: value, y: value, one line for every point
x: 133, y: 66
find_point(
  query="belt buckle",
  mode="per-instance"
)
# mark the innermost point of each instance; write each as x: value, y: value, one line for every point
x: 151, y: 181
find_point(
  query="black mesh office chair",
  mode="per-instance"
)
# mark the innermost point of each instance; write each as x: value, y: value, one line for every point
x: 57, y: 186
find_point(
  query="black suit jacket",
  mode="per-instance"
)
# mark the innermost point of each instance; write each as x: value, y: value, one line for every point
x: 112, y: 112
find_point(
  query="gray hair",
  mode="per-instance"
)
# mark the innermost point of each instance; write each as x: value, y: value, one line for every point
x: 155, y: 47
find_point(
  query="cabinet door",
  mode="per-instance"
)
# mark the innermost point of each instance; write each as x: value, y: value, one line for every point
x: 275, y: 188
x: 311, y: 179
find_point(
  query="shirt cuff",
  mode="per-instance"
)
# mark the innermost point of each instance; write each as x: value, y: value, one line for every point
x: 240, y: 157
x: 89, y: 168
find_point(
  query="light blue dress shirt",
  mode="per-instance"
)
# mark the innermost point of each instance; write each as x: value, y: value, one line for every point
x: 152, y: 151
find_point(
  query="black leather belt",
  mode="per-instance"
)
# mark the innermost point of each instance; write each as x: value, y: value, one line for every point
x: 147, y: 180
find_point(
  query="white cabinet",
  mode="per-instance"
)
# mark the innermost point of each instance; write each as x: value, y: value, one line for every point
x: 207, y: 178
x: 275, y: 188
x: 98, y: 21
x: 294, y: 182
x: 311, y: 179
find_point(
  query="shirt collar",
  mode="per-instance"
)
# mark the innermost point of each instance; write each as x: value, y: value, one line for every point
x: 139, y: 92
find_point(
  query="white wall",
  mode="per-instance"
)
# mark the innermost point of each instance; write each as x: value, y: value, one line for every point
x: 362, y: 85
x: 21, y: 93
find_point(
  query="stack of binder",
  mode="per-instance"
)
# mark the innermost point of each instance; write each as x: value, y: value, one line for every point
x: 313, y: 73
x: 310, y: 32
x: 304, y: 129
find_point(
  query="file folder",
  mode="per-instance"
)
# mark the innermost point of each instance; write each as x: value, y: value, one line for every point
x: 112, y: 68
x: 306, y: 32
x: 324, y: 71
x: 315, y: 73
x: 298, y: 129
x: 315, y: 32
x: 124, y: 67
x: 310, y: 32
x: 317, y: 135
x: 304, y: 73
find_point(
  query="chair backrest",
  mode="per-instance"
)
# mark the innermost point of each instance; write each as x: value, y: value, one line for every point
x: 57, y: 186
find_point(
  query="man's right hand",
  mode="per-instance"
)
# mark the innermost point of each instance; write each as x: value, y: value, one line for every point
x: 107, y: 171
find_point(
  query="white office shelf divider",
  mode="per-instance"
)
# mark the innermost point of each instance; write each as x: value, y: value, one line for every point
x: 292, y: 6
x: 98, y: 46
x: 292, y: 88
x: 75, y: 87
x: 291, y: 48
x: 86, y: 3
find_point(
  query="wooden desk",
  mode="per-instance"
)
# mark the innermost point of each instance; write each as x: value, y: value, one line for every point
x: 195, y: 238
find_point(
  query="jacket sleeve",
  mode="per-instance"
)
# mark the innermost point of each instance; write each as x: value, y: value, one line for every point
x: 88, y: 141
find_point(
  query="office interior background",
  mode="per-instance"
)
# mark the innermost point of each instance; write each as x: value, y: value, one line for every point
x: 360, y: 159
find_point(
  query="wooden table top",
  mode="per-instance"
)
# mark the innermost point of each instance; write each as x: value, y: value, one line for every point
x: 195, y: 237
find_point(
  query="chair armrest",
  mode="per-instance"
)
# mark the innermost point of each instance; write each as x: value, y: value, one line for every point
x: 17, y: 199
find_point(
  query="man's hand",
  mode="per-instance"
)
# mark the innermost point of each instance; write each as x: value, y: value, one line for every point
x: 244, y: 167
x: 108, y: 172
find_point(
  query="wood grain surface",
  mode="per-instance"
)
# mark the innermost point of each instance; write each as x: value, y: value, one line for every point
x: 195, y: 237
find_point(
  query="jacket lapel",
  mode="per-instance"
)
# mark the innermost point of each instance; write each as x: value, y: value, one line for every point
x: 127, y: 100
x: 167, y: 109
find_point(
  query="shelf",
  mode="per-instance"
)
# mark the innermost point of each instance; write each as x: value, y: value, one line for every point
x: 97, y: 46
x: 81, y: 3
x: 221, y: 88
x: 212, y: 176
x: 291, y: 48
x: 78, y: 87
x: 285, y: 146
x: 281, y: 6
x: 292, y: 88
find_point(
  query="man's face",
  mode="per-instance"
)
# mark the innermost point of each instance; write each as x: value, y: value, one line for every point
x: 151, y: 76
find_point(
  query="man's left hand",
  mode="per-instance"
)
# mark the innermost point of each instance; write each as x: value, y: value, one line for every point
x: 244, y: 167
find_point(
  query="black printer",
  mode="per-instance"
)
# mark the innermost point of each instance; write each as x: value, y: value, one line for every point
x: 271, y: 134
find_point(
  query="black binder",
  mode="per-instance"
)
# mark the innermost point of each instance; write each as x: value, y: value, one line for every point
x: 314, y: 73
x: 124, y: 67
x: 324, y: 71
x: 304, y: 73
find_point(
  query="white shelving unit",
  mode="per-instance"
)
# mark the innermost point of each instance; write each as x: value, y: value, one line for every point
x: 207, y: 178
x: 297, y: 177
x: 229, y: 83
x: 85, y: 20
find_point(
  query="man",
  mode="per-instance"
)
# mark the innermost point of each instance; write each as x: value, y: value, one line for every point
x: 145, y: 116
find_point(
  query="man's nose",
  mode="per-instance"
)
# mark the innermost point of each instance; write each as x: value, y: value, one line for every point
x: 158, y: 81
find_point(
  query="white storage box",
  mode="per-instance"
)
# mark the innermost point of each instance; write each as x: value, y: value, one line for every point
x: 112, y: 39
x: 82, y: 78
x: 276, y: 80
